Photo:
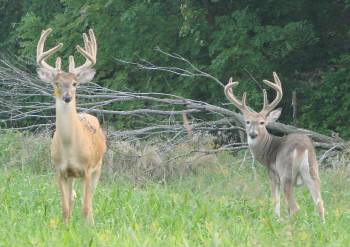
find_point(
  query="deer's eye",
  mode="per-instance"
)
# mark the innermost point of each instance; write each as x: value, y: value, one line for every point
x: 74, y: 84
x: 247, y: 122
x: 262, y: 123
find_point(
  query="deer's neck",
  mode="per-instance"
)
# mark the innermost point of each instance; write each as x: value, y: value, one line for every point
x: 264, y: 150
x: 66, y: 121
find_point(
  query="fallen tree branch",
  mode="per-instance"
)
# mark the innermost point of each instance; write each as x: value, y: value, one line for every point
x: 27, y: 103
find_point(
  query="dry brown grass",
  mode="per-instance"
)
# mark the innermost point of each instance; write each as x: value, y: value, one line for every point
x: 144, y: 161
x: 335, y: 159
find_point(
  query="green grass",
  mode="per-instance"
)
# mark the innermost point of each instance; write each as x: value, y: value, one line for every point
x: 221, y: 205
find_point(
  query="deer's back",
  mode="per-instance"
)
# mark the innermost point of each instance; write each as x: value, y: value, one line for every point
x: 297, y: 142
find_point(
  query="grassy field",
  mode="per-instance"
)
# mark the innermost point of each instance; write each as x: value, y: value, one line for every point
x: 223, y: 204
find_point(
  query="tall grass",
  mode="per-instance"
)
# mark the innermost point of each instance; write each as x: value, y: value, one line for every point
x: 222, y: 204
x: 24, y: 150
x: 156, y: 161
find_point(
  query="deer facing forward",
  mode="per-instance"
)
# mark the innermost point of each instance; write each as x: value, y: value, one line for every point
x: 290, y: 160
x: 79, y: 143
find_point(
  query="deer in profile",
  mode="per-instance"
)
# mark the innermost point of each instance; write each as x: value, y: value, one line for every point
x: 78, y: 144
x: 290, y: 160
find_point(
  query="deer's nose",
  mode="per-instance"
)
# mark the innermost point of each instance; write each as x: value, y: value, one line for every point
x: 253, y: 135
x: 67, y: 98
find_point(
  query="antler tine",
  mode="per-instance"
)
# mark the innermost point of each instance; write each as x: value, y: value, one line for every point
x: 94, y: 43
x: 41, y: 55
x: 58, y: 63
x: 71, y: 64
x: 89, y: 52
x: 241, y: 105
x: 277, y: 86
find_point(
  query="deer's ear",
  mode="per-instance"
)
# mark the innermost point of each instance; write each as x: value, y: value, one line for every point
x: 86, y: 75
x: 274, y: 115
x: 47, y: 75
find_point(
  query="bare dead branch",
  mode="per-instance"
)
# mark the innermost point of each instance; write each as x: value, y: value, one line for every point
x: 25, y: 99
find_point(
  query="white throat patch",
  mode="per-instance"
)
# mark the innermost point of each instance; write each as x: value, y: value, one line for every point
x: 251, y: 142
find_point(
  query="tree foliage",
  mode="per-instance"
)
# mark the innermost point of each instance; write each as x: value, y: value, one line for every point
x: 307, y: 42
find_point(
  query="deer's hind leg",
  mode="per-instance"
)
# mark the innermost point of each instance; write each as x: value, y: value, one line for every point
x: 311, y: 179
x: 287, y: 183
x: 314, y: 186
x: 96, y: 176
x: 288, y: 176
x: 275, y: 192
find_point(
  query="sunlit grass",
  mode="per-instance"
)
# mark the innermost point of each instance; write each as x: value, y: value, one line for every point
x: 221, y: 205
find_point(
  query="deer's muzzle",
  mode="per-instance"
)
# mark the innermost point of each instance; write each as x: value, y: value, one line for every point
x: 67, y: 98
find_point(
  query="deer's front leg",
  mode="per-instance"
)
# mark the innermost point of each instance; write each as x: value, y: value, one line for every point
x: 65, y: 202
x: 275, y: 192
x: 87, y: 198
x: 71, y: 195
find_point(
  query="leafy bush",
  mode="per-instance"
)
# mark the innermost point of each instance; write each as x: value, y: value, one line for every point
x: 328, y: 104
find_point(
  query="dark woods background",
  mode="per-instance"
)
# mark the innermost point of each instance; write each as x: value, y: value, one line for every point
x: 306, y: 41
